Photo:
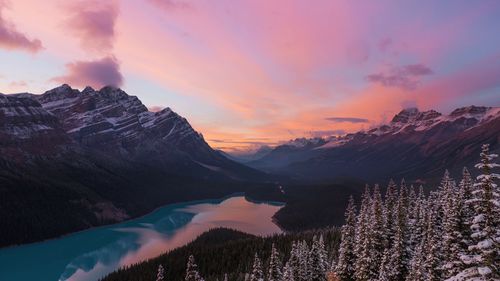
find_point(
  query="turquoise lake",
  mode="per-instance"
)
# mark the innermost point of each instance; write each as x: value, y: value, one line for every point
x: 91, y: 254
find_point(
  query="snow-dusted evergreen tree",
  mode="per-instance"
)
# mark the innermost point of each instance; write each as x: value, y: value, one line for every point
x: 323, y: 253
x: 192, y: 273
x: 432, y: 241
x: 385, y: 270
x: 400, y: 256
x: 377, y: 233
x: 466, y: 208
x: 288, y: 272
x: 225, y: 277
x: 347, y: 258
x: 274, y: 270
x: 294, y: 260
x: 389, y: 212
x: 317, y: 260
x: 160, y: 275
x: 417, y: 264
x: 482, y: 260
x: 257, y: 272
x: 303, y: 254
x: 363, y: 242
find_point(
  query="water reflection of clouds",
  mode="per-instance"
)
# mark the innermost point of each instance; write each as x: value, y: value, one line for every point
x: 144, y: 240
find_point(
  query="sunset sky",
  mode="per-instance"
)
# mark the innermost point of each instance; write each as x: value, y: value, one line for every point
x: 253, y: 72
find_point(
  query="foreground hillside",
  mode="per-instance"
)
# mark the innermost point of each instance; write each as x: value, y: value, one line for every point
x: 451, y: 233
x: 70, y: 160
x: 219, y: 252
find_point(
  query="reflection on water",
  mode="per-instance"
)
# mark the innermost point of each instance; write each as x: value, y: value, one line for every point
x: 92, y: 254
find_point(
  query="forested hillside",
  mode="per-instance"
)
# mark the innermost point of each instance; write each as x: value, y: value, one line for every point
x: 453, y: 234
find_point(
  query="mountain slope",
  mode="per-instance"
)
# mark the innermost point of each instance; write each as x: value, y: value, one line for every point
x: 414, y: 143
x: 70, y: 160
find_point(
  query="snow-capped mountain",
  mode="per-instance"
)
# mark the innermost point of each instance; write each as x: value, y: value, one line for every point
x: 108, y: 121
x: 413, y: 140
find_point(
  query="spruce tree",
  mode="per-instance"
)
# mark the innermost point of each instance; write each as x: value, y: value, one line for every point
x: 389, y: 213
x: 377, y: 233
x: 303, y: 252
x: 160, y: 273
x: 288, y: 272
x: 347, y: 258
x: 294, y: 260
x: 417, y: 264
x: 317, y: 263
x: 385, y: 270
x: 257, y: 273
x: 432, y: 241
x: 400, y: 256
x: 482, y: 260
x: 274, y: 270
x: 363, y: 239
x: 192, y: 273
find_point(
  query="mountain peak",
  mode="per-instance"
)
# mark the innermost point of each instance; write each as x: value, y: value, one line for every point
x: 405, y: 115
x: 471, y: 110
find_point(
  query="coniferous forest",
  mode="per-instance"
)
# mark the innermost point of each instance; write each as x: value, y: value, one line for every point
x: 450, y: 233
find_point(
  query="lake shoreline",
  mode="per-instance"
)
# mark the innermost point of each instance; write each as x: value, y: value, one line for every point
x: 91, y: 254
x: 123, y: 221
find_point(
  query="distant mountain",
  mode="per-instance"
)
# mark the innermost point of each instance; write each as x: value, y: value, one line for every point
x: 414, y: 143
x: 249, y: 156
x: 71, y: 159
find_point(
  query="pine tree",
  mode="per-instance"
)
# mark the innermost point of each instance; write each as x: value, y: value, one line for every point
x: 192, y: 273
x: 225, y: 277
x: 257, y: 273
x: 274, y: 269
x: 482, y: 259
x: 160, y: 274
x: 347, y: 258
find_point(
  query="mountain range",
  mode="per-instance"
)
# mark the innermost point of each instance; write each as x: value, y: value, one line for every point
x: 71, y: 160
x: 413, y: 144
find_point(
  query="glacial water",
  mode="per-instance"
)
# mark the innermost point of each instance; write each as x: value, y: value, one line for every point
x: 91, y: 254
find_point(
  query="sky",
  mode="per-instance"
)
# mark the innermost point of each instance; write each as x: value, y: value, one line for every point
x: 248, y: 73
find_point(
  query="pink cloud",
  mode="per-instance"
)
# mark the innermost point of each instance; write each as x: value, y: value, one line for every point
x: 404, y: 77
x: 169, y: 5
x: 94, y: 23
x: 97, y: 73
x: 12, y: 39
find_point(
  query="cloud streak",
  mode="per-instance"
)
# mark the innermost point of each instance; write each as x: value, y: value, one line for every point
x: 97, y: 73
x: 405, y: 77
x: 12, y: 39
x: 347, y: 120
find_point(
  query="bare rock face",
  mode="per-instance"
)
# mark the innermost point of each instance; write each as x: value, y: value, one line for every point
x: 112, y: 121
x: 27, y: 128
